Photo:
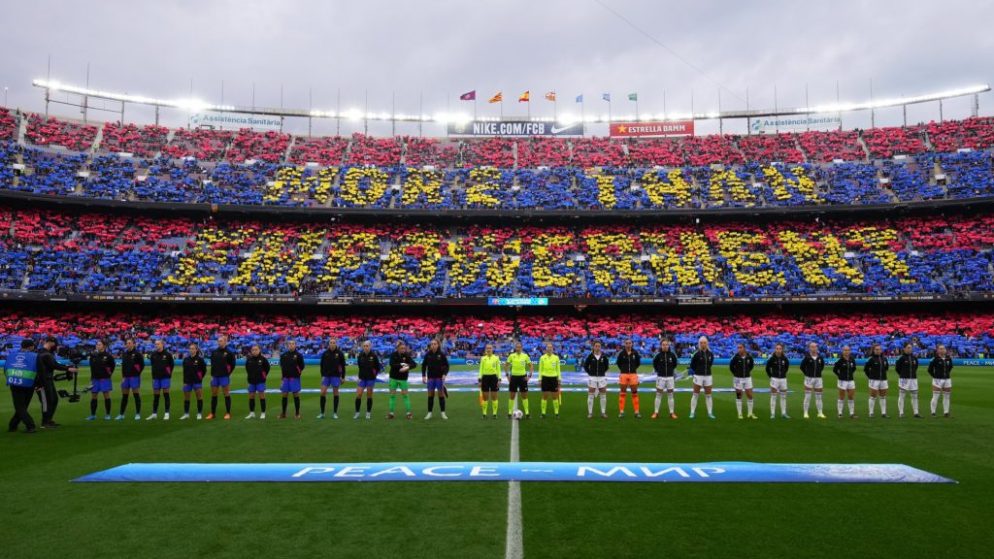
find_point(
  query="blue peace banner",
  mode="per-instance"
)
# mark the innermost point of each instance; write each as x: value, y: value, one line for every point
x: 625, y: 472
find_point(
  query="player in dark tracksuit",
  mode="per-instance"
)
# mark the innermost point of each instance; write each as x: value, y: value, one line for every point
x: 222, y: 363
x: 596, y: 365
x: 291, y: 367
x: 132, y: 365
x: 701, y: 364
x: 845, y: 371
x: 875, y: 369
x: 811, y: 367
x: 162, y: 364
x: 776, y: 368
x: 434, y: 369
x: 664, y: 364
x: 907, y: 381
x: 194, y: 371
x: 102, y: 365
x: 940, y: 369
x: 369, y: 367
x: 256, y: 370
x: 332, y: 374
x: 741, y: 366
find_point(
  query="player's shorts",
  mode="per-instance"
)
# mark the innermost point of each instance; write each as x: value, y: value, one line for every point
x: 396, y: 384
x: 878, y: 385
x: 908, y: 384
x: 220, y: 381
x: 778, y: 384
x: 742, y: 383
x: 333, y: 382
x: 101, y: 385
x: 814, y: 383
x: 518, y: 383
x: 490, y: 383
x: 290, y: 385
x: 131, y: 383
x: 162, y: 383
x: 550, y: 384
x: 192, y: 387
x: 435, y: 384
x: 597, y: 383
x: 628, y: 379
x: 942, y: 383
x: 703, y: 380
x: 257, y: 387
x: 847, y: 385
x: 665, y: 383
x: 364, y: 383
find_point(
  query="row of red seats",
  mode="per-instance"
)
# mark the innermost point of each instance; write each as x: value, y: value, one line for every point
x: 144, y: 141
x: 974, y: 133
x: 55, y: 132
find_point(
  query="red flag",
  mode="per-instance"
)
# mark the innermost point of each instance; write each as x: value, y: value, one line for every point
x: 468, y: 96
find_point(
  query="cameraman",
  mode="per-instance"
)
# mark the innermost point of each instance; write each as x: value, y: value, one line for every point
x: 47, y: 365
x: 22, y: 385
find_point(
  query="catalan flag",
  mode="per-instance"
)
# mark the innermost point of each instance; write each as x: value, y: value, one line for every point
x: 524, y: 97
x: 497, y: 98
x: 551, y: 96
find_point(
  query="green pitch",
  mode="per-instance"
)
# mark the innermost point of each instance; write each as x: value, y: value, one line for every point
x: 46, y: 516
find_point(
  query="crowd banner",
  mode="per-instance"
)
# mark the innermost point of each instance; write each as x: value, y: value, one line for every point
x: 652, y: 129
x: 505, y: 128
x: 622, y: 472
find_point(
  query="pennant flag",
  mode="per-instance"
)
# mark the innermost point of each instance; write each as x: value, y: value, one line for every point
x: 633, y: 96
x: 497, y: 98
x: 550, y: 96
x: 579, y: 98
x: 524, y: 97
x: 606, y: 97
x: 468, y: 96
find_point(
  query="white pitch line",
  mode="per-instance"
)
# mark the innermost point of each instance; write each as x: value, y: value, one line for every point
x: 514, y: 545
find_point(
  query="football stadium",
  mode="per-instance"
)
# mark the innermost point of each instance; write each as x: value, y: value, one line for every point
x: 593, y: 279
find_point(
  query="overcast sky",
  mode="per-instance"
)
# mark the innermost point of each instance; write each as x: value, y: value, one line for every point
x: 444, y: 48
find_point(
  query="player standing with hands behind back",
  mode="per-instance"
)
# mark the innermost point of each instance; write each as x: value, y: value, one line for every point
x: 291, y: 368
x: 222, y: 363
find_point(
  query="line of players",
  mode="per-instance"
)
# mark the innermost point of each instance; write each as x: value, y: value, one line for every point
x: 518, y: 369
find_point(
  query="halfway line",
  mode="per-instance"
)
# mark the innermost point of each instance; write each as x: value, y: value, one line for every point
x: 514, y: 544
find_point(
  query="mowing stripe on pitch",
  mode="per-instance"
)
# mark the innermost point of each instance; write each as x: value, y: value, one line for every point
x: 626, y: 472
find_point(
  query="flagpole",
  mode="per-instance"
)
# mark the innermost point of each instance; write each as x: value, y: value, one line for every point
x: 664, y: 105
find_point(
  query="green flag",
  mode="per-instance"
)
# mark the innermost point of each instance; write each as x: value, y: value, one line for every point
x: 633, y: 96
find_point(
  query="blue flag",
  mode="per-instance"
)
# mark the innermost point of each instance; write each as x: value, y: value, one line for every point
x: 579, y: 98
x: 606, y: 97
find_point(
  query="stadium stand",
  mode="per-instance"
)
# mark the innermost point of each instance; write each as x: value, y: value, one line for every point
x: 141, y: 141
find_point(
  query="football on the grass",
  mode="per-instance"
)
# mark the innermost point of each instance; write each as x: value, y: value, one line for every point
x: 518, y: 414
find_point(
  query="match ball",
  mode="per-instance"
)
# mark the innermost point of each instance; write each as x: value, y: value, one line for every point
x: 518, y: 414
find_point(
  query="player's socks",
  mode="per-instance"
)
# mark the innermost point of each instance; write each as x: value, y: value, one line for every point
x: 883, y: 406
x: 441, y: 404
x: 155, y: 403
x: 635, y: 403
x: 738, y: 405
x: 671, y: 402
x: 369, y: 405
x: 749, y: 406
x: 914, y: 402
x: 900, y: 402
x: 200, y: 405
x: 543, y: 405
x: 431, y: 404
x: 262, y: 405
x: 524, y: 404
x: 773, y: 404
x: 590, y: 404
x: 555, y: 406
x: 107, y: 406
x: 252, y: 405
x: 839, y: 404
x: 709, y: 403
x: 495, y: 406
x: 213, y: 405
x: 124, y: 403
x: 783, y: 403
x: 657, y: 402
x: 93, y: 406
x: 483, y: 405
x: 934, y: 404
x: 186, y: 407
x: 693, y: 403
x: 819, y: 404
x: 138, y: 404
x: 807, y: 402
x: 324, y: 402
x: 334, y: 404
x: 391, y: 402
x: 946, y: 405
x: 358, y: 404
x: 407, y: 402
x: 227, y: 404
x: 852, y: 407
x: 296, y: 405
x: 873, y: 404
x: 603, y: 404
x: 621, y: 401
x: 167, y: 401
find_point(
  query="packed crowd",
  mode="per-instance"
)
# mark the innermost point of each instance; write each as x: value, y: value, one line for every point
x: 965, y: 334
x: 86, y: 253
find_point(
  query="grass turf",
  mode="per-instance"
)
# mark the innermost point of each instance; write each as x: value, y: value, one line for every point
x: 469, y: 519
